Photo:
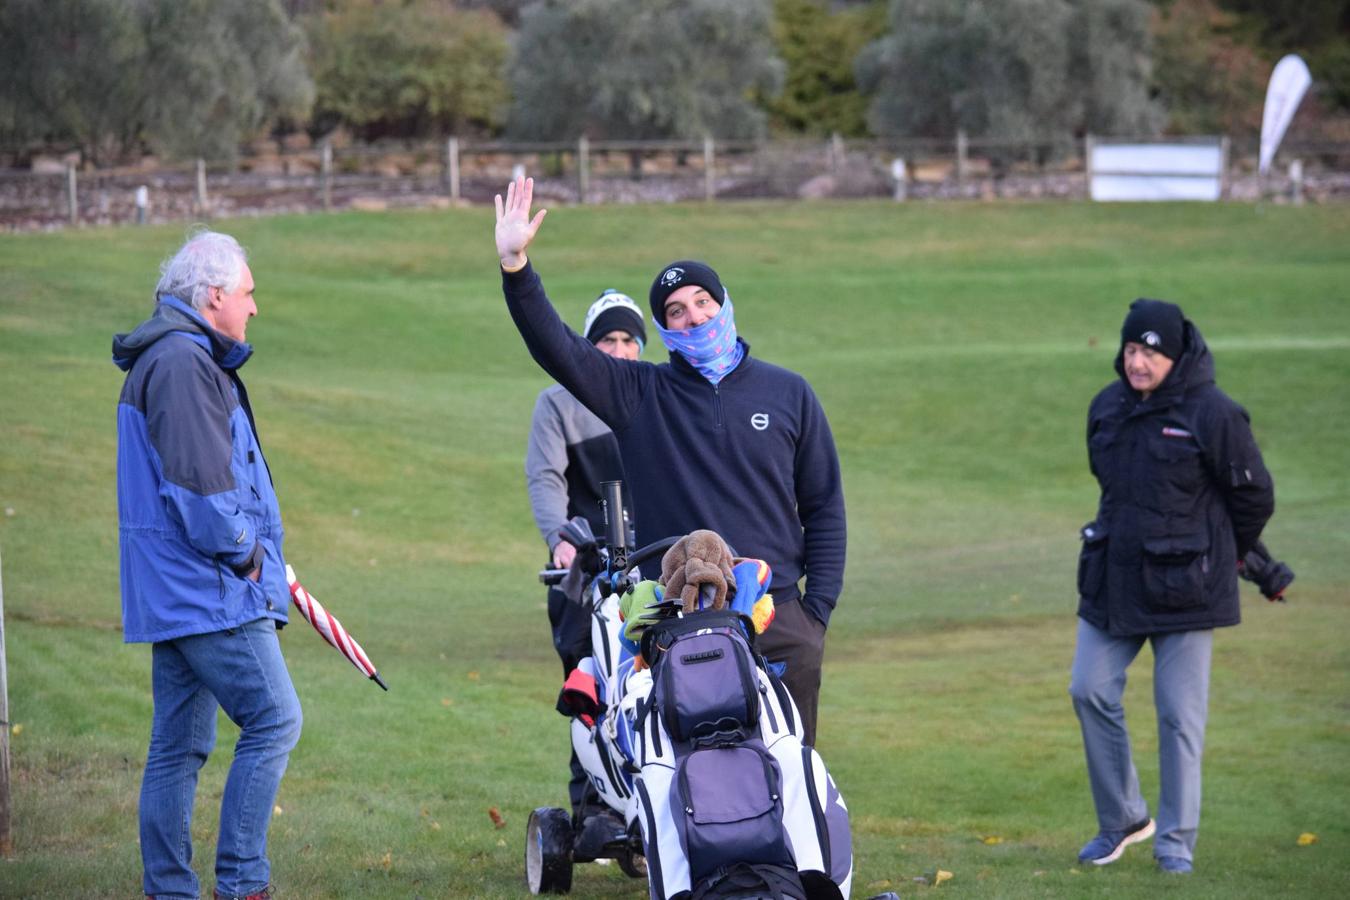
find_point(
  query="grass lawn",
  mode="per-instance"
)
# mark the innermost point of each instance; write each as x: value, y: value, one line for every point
x: 954, y: 347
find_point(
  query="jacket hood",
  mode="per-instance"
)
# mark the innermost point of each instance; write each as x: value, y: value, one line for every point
x: 172, y: 314
x: 1192, y: 369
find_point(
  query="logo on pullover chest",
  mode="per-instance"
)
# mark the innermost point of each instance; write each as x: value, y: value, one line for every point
x: 759, y: 421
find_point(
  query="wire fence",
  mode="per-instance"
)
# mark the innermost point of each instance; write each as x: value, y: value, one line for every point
x: 268, y: 180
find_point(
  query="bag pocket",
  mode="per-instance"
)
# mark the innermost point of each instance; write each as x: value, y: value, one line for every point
x: 728, y: 809
x: 707, y: 688
x: 1091, y: 560
x: 1174, y: 573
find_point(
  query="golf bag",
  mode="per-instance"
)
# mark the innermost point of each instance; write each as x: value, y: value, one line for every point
x: 730, y: 802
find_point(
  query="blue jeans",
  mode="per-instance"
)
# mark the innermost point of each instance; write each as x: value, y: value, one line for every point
x: 242, y: 671
x: 1180, y: 695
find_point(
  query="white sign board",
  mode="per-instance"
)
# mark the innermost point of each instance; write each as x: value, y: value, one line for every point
x: 1156, y: 171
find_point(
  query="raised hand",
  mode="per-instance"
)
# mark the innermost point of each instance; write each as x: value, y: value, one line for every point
x: 515, y: 228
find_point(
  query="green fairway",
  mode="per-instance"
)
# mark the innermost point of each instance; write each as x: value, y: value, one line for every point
x: 954, y: 347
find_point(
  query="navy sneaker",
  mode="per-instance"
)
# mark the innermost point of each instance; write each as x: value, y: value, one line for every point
x: 1107, y: 846
x: 1175, y: 864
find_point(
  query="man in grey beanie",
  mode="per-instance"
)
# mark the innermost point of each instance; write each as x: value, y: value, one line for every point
x: 570, y: 453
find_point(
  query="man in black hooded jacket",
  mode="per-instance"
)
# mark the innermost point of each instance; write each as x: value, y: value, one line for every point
x: 1184, y: 496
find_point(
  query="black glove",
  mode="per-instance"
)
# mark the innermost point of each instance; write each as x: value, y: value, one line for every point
x: 1270, y: 575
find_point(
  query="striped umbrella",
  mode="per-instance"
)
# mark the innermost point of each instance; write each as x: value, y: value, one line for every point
x: 330, y: 629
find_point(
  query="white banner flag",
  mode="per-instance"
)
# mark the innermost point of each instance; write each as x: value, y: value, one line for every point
x: 1288, y: 83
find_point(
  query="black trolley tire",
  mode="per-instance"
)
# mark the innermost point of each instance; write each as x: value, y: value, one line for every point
x: 548, y: 851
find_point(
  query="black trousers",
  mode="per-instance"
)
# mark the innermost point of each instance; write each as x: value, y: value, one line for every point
x: 797, y: 639
x: 571, y: 625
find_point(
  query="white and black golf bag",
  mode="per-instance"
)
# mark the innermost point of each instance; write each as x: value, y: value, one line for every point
x: 730, y: 802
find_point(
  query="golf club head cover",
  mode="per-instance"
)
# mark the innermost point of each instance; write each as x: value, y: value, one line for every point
x: 639, y: 608
x: 1270, y: 575
x: 697, y: 559
x: 751, y: 596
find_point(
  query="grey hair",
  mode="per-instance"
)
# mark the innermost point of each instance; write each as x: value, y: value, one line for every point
x: 208, y: 259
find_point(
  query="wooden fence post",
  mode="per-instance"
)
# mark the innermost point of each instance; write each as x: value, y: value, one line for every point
x: 6, y: 839
x: 452, y: 167
x: 1088, y: 144
x: 1224, y: 149
x: 326, y: 175
x: 72, y: 200
x: 201, y: 186
x: 709, y: 182
x: 962, y: 156
x: 583, y: 168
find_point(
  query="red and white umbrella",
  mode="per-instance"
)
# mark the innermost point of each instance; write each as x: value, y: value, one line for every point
x: 330, y: 629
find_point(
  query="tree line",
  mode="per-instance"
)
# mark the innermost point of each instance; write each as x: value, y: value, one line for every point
x: 197, y: 78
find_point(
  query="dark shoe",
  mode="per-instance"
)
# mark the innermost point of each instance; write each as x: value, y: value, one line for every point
x: 264, y: 894
x: 1107, y: 846
x: 1175, y: 864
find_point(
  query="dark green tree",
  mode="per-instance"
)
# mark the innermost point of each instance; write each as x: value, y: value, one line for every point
x: 635, y: 69
x: 1207, y: 75
x: 1012, y: 70
x: 221, y: 73
x: 408, y: 69
x: 820, y: 46
x: 186, y: 77
x: 71, y: 76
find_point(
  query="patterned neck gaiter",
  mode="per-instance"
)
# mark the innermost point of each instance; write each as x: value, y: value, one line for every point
x: 712, y: 347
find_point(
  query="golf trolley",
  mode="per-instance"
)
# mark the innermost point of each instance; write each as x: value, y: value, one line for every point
x: 602, y: 737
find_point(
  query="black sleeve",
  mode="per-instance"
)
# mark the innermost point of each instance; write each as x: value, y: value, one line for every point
x: 611, y: 388
x: 1238, y: 470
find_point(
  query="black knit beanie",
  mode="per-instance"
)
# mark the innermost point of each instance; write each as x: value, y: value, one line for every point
x: 679, y: 274
x: 613, y: 311
x: 1156, y: 324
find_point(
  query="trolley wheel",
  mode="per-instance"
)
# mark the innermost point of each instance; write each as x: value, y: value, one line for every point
x: 632, y: 859
x: 548, y: 851
x: 633, y: 863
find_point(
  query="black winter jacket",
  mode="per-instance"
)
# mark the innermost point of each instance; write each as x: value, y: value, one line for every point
x: 1184, y: 495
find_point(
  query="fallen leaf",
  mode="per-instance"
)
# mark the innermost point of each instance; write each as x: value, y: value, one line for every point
x: 435, y: 826
x: 941, y: 876
x: 992, y: 839
x: 17, y: 729
x: 387, y: 861
x: 277, y: 810
x: 447, y: 702
x: 496, y: 816
x: 1307, y: 838
x: 502, y: 843
x: 474, y: 676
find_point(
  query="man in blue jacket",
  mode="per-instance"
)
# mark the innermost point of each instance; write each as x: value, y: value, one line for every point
x: 713, y: 439
x: 203, y: 579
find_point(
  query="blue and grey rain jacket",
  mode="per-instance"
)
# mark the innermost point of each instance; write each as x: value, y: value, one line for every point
x: 194, y: 494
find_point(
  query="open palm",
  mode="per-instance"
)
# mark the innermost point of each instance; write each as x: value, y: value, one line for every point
x: 515, y: 228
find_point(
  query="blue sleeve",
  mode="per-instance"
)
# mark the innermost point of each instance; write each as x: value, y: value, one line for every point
x: 189, y: 422
x: 611, y: 388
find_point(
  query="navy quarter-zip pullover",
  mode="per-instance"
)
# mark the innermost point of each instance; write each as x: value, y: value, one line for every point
x: 751, y: 458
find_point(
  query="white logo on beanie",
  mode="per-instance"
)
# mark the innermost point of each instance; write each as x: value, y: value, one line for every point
x: 1151, y: 338
x: 673, y: 275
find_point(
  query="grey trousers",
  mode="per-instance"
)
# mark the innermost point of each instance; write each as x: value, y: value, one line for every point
x: 1181, y: 696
